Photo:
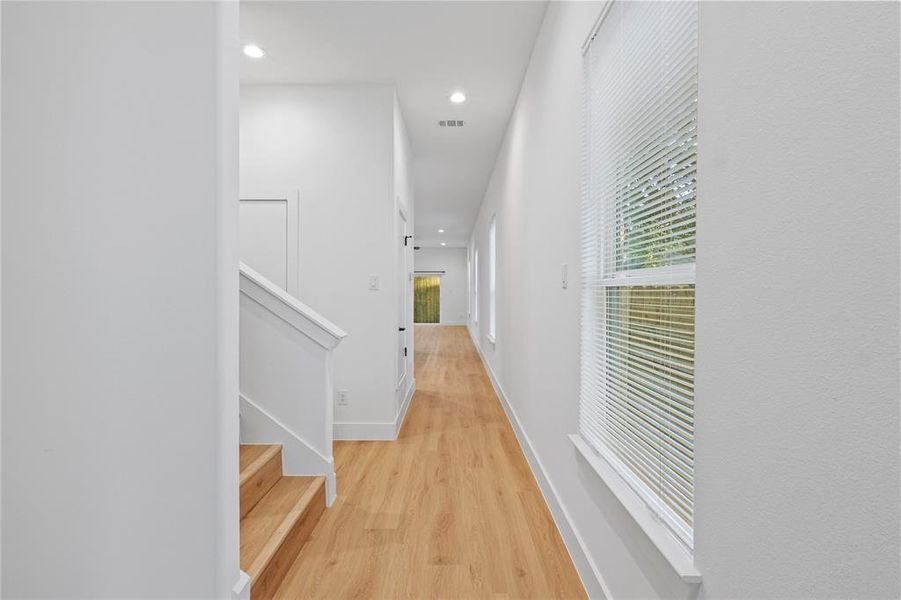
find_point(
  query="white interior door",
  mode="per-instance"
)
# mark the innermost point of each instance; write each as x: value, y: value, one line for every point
x: 269, y: 233
x: 403, y: 287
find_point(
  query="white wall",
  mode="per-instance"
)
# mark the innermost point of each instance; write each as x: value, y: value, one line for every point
x: 797, y: 300
x: 336, y: 145
x: 797, y: 309
x: 120, y: 425
x: 1, y: 312
x: 453, y: 283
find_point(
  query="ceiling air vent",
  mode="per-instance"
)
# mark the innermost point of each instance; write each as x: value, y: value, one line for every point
x: 450, y: 123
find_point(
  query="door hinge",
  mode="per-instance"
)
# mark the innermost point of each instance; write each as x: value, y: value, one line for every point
x: 405, y: 350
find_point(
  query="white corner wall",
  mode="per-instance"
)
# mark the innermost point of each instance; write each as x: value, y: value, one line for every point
x: 119, y: 300
x: 335, y: 144
x: 797, y: 470
x: 454, y: 283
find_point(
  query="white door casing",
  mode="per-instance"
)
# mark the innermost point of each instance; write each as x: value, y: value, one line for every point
x: 403, y: 274
x: 270, y: 238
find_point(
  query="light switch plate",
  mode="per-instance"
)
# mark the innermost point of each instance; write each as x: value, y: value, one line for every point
x: 373, y: 282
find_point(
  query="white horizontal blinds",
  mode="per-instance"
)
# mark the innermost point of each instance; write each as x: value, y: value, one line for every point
x: 492, y: 277
x: 475, y: 288
x: 638, y: 251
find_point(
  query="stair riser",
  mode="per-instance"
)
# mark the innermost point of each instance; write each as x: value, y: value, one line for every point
x: 265, y: 586
x: 261, y: 482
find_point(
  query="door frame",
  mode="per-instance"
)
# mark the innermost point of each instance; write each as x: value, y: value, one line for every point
x: 405, y: 302
x: 439, y: 275
x: 292, y: 231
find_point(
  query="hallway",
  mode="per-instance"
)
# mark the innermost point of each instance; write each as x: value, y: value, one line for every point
x: 449, y: 510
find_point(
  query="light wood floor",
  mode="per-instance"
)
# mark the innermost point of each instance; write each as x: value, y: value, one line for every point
x: 449, y: 510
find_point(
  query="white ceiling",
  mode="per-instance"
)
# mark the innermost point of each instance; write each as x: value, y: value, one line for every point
x: 428, y: 50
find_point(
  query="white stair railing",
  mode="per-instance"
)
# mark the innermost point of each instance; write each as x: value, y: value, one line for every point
x: 286, y: 378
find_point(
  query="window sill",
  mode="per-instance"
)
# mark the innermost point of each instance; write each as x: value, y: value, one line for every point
x: 672, y: 550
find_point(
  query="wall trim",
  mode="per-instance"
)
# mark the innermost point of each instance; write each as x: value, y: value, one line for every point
x: 241, y: 589
x: 592, y: 580
x: 375, y: 430
x: 367, y: 431
x: 402, y: 412
x: 292, y: 250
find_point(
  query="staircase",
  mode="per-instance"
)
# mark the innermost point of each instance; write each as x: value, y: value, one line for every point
x: 278, y: 513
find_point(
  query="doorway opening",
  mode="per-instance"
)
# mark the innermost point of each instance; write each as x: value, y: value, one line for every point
x: 427, y: 299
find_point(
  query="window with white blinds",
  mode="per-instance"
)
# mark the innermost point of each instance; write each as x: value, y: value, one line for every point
x: 475, y: 288
x: 492, y: 278
x: 638, y: 252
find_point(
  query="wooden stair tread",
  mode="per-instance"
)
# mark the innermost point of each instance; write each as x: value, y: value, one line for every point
x: 251, y: 453
x: 268, y: 524
x: 261, y: 469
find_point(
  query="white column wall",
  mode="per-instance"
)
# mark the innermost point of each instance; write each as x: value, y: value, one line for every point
x: 119, y: 299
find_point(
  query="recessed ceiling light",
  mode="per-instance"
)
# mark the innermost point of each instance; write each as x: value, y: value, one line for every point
x: 458, y: 97
x: 443, y: 244
x: 254, y: 51
x: 440, y: 231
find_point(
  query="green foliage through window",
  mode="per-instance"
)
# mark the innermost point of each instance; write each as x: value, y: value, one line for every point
x: 427, y: 299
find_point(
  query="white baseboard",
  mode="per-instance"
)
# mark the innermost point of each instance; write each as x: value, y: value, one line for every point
x: 592, y: 581
x: 402, y: 413
x: 241, y: 589
x: 298, y: 457
x: 385, y: 430
x: 350, y: 431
